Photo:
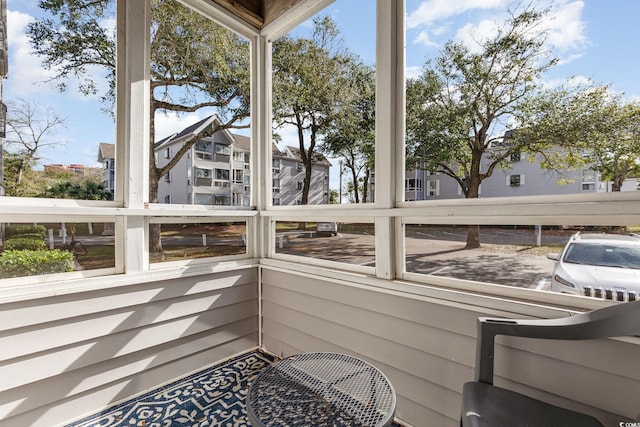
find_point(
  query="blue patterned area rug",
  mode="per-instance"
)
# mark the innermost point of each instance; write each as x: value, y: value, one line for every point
x: 213, y: 397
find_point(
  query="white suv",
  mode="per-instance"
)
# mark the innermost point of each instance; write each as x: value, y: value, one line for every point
x: 599, y: 265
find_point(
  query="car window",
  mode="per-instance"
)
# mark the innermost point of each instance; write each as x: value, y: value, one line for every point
x: 624, y: 256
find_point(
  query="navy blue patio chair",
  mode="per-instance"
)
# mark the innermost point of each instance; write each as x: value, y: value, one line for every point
x: 485, y: 405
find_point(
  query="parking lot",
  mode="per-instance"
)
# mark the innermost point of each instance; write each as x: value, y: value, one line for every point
x: 506, y: 257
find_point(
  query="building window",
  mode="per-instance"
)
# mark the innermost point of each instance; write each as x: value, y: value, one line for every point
x: 434, y: 187
x: 238, y: 156
x: 167, y: 177
x: 203, y: 145
x: 238, y: 176
x: 588, y: 180
x: 222, y: 178
x: 203, y: 199
x: 299, y: 167
x: 275, y: 166
x: 167, y: 153
x: 516, y: 180
x: 275, y: 185
x: 222, y: 153
x: 516, y: 157
x: 276, y: 201
x: 222, y: 200
x: 413, y: 184
x: 204, y: 177
x: 223, y: 149
x: 203, y: 150
x: 167, y: 199
x: 299, y: 185
x: 222, y: 174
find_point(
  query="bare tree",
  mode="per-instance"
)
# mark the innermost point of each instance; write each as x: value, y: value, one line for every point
x: 30, y: 128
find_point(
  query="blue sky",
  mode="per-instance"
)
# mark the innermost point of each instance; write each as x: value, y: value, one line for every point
x: 595, y: 39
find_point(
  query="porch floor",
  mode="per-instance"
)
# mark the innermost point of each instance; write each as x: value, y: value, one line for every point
x: 212, y: 397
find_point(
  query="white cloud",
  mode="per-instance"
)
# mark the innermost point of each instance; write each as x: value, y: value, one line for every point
x: 574, y: 81
x: 566, y: 27
x: 434, y: 10
x: 25, y: 69
x: 288, y: 136
x: 471, y: 35
x: 424, y: 39
x: 442, y: 29
x: 168, y: 123
x: 570, y: 58
x: 26, y: 73
x: 413, y: 72
x: 433, y: 18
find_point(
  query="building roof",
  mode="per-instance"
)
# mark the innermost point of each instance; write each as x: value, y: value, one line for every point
x: 106, y: 151
x: 294, y: 152
x: 242, y: 142
x: 187, y: 132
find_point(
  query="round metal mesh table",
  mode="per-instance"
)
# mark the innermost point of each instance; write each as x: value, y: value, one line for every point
x: 321, y: 389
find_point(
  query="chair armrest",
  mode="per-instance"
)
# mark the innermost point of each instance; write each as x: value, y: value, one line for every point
x: 614, y: 321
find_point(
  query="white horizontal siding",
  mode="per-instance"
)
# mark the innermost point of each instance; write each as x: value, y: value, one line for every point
x: 427, y: 348
x: 70, y: 355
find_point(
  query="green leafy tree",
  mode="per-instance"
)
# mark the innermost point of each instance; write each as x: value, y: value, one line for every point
x: 352, y: 135
x: 87, y: 189
x: 616, y: 155
x: 309, y: 77
x: 459, y: 109
x: 195, y: 64
x: 12, y: 165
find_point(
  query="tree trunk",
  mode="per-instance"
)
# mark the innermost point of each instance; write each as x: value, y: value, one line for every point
x: 365, y: 186
x: 473, y: 237
x: 473, y: 192
x: 306, y: 184
x: 19, y: 171
x: 155, y: 242
x: 354, y: 177
x: 620, y: 174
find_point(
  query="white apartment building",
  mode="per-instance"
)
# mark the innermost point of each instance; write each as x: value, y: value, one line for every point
x: 288, y: 178
x: 217, y: 171
x: 107, y: 157
x: 525, y: 178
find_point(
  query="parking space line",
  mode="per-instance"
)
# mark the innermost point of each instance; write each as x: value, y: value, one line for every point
x: 439, y: 270
x: 425, y: 234
x: 541, y: 284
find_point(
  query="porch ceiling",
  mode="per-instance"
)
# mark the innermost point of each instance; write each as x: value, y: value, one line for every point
x: 257, y: 13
